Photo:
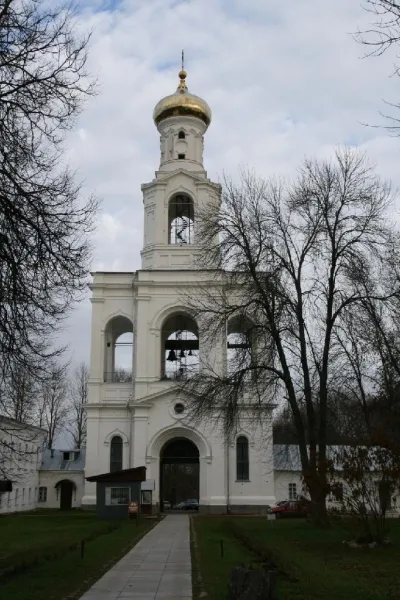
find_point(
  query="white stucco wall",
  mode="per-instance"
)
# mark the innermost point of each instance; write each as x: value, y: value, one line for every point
x: 49, y: 479
x: 21, y: 456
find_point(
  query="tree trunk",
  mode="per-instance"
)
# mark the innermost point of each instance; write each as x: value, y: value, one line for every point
x: 318, y: 510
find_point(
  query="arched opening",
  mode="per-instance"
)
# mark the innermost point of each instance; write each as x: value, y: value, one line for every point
x: 65, y: 490
x: 118, y: 358
x: 181, y: 135
x: 181, y: 220
x: 179, y: 347
x: 242, y: 458
x: 116, y: 454
x: 179, y: 475
x: 239, y: 351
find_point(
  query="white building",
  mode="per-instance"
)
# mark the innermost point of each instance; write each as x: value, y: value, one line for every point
x: 21, y: 448
x: 40, y: 478
x: 139, y: 422
x: 62, y: 478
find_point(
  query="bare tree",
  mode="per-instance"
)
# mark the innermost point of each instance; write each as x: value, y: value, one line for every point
x: 383, y: 35
x: 53, y: 403
x: 44, y: 221
x: 18, y: 393
x: 121, y: 375
x: 78, y: 400
x: 290, y: 261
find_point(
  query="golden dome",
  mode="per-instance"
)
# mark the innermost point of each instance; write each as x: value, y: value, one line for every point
x: 182, y: 104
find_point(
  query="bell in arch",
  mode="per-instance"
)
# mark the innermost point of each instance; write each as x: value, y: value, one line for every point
x: 171, y: 356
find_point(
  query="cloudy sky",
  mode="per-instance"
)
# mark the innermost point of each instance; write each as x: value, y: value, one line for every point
x: 284, y: 80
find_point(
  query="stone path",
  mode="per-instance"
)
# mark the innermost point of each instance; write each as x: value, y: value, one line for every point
x: 157, y: 568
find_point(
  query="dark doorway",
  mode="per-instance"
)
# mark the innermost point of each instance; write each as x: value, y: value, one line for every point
x: 65, y: 489
x: 179, y: 474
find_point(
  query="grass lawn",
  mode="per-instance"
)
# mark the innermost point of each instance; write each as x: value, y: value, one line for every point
x: 41, y: 545
x: 312, y: 564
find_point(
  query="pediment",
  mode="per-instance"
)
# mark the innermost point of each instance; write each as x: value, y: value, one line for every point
x: 170, y: 388
x: 164, y: 177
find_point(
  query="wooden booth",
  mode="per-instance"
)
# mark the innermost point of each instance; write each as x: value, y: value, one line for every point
x: 117, y: 491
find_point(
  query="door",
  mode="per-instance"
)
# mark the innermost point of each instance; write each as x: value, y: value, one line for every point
x: 66, y: 489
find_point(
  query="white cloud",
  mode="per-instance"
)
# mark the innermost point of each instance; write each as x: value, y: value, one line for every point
x: 283, y: 79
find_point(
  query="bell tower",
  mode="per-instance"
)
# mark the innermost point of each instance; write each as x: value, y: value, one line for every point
x: 181, y: 188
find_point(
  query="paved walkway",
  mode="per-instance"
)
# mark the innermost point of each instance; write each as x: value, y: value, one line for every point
x: 157, y: 568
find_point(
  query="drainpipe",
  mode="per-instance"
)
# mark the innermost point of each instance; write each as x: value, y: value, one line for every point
x: 228, y: 500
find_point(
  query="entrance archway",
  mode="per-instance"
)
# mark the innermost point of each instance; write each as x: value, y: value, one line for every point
x: 179, y: 473
x: 65, y: 490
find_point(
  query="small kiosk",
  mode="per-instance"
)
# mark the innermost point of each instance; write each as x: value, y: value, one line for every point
x: 117, y: 492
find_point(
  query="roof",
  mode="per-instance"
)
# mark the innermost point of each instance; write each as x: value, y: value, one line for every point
x: 137, y: 474
x: 287, y: 456
x: 18, y: 426
x: 53, y: 460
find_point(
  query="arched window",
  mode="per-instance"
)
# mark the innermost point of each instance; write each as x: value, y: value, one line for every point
x: 239, y: 355
x: 181, y: 220
x: 242, y: 458
x: 118, y: 350
x: 180, y: 347
x: 116, y: 454
x: 181, y: 135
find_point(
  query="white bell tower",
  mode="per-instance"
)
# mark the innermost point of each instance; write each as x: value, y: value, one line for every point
x: 181, y: 188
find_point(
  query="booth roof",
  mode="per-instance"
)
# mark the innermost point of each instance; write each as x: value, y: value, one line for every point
x: 137, y: 474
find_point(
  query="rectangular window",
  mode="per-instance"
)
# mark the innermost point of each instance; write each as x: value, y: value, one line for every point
x: 116, y: 496
x: 181, y: 156
x: 66, y: 456
x: 292, y: 491
x: 42, y: 494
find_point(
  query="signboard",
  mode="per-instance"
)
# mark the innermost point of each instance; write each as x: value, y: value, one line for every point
x: 149, y: 484
x: 133, y: 508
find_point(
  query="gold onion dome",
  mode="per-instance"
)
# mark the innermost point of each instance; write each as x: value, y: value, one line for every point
x: 182, y: 104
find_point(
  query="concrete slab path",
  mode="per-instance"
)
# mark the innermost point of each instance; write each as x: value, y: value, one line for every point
x: 157, y: 568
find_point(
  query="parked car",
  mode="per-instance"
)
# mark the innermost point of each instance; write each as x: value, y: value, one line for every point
x: 187, y: 505
x: 167, y: 505
x: 191, y: 504
x: 290, y: 508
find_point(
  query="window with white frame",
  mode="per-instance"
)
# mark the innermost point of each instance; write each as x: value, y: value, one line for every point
x: 42, y: 494
x: 292, y: 491
x: 117, y: 495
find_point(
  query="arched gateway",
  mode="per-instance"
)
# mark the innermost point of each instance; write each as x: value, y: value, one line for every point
x: 179, y: 473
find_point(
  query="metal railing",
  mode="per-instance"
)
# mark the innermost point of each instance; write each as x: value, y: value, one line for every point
x: 119, y: 376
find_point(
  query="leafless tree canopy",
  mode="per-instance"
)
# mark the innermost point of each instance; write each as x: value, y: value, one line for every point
x: 52, y: 405
x: 383, y: 35
x: 294, y: 262
x: 18, y: 395
x: 78, y: 398
x: 44, y: 221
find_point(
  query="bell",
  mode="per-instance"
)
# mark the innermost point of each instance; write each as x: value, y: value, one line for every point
x: 182, y: 354
x: 171, y: 355
x: 190, y: 353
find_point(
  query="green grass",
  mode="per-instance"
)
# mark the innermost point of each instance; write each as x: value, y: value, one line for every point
x: 312, y: 564
x: 45, y: 548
